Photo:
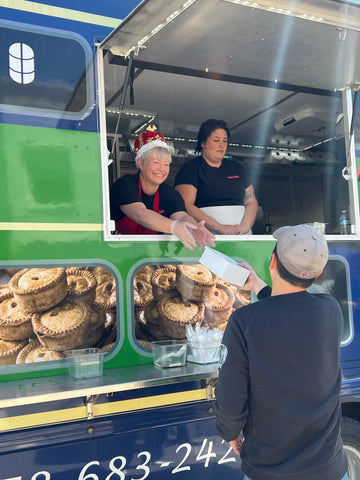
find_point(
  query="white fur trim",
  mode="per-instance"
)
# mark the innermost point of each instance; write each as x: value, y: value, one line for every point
x: 149, y: 146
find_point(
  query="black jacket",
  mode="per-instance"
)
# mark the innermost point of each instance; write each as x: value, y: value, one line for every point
x: 280, y: 384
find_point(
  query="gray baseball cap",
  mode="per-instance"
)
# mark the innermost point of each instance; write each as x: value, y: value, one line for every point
x: 302, y: 250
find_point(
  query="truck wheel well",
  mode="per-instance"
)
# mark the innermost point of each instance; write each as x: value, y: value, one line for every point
x: 351, y: 410
x: 350, y: 432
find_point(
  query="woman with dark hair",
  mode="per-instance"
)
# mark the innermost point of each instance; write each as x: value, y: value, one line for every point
x: 215, y: 189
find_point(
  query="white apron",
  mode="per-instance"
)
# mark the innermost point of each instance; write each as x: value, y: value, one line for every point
x: 226, y: 214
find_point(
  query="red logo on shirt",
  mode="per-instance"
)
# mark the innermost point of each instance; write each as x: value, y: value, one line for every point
x: 233, y: 176
x: 161, y: 211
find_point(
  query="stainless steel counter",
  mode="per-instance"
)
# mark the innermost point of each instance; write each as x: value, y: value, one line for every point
x: 47, y: 389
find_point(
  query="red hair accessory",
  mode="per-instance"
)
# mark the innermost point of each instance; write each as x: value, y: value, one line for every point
x: 148, y: 139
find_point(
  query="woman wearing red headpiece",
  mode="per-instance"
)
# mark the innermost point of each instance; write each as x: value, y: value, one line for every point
x: 143, y: 204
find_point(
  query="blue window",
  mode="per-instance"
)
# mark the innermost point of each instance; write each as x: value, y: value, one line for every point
x: 43, y: 69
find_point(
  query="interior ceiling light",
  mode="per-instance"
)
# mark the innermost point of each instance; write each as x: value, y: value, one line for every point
x: 140, y: 44
x: 347, y: 17
x: 129, y: 113
x: 258, y: 147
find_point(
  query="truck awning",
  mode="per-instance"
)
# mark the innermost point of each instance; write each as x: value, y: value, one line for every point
x: 291, y: 43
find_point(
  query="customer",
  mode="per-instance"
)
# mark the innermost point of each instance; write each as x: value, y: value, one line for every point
x: 143, y: 204
x: 215, y: 189
x: 280, y: 383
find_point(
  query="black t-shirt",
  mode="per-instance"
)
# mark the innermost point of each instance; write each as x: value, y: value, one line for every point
x: 126, y: 190
x: 224, y: 185
x: 280, y: 384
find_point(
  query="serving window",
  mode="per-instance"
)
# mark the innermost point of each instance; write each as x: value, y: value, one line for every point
x: 291, y: 115
x: 296, y: 180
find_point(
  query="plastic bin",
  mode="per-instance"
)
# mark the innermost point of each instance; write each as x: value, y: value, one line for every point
x: 85, y: 363
x: 206, y: 353
x: 169, y: 353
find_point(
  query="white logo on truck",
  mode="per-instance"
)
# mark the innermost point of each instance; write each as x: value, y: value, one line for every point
x: 21, y: 63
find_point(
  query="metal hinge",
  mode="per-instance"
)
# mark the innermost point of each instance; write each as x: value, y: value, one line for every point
x: 210, y: 388
x: 354, y: 86
x: 90, y: 401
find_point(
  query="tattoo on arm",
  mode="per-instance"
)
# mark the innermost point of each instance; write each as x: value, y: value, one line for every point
x: 248, y: 195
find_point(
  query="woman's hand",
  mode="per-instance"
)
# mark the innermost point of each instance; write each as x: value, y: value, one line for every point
x: 190, y: 227
x: 243, y: 228
x: 184, y: 232
x: 202, y: 235
x: 228, y: 229
x: 238, y: 229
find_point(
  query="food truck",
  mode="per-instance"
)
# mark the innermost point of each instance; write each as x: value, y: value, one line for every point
x: 80, y: 395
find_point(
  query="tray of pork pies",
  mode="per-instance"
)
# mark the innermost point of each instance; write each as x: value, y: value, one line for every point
x: 46, y: 311
x: 168, y: 298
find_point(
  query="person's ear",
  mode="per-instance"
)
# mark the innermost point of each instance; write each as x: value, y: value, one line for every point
x: 273, y: 263
x: 140, y: 163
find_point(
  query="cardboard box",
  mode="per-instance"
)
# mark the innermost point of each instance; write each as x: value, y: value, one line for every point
x: 224, y: 267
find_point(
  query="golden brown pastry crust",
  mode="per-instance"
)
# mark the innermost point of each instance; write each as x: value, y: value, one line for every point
x: 144, y: 273
x: 110, y: 320
x: 140, y: 319
x: 110, y: 334
x: 64, y: 326
x: 153, y: 322
x: 5, y: 288
x: 152, y: 313
x: 194, y: 282
x: 9, y: 350
x: 148, y: 325
x: 96, y: 329
x: 35, y: 352
x: 98, y: 316
x: 140, y: 334
x: 242, y: 297
x: 38, y: 289
x: 108, y: 347
x: 163, y: 281
x: 105, y: 288
x: 219, y: 305
x: 15, y: 323
x: 102, y: 274
x: 156, y: 332
x: 175, y: 314
x: 145, y: 344
x: 108, y: 338
x: 142, y: 294
x: 81, y: 284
